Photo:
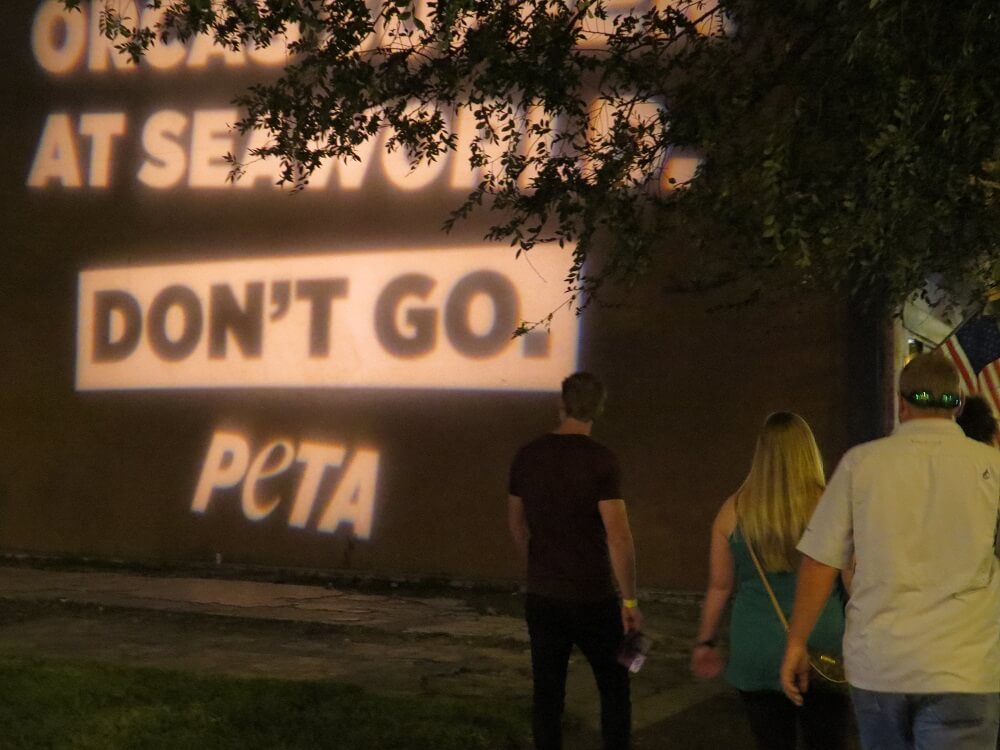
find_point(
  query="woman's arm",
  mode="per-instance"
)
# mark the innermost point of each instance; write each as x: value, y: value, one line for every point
x: 705, y: 659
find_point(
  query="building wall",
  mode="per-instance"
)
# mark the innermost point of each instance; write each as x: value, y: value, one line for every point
x: 194, y: 452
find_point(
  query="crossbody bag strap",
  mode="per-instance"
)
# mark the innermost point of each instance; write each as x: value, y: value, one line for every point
x: 760, y: 569
x: 828, y: 667
x: 767, y: 586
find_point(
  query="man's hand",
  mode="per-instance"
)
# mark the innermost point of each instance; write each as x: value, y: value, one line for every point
x: 812, y: 588
x: 631, y: 619
x: 795, y: 671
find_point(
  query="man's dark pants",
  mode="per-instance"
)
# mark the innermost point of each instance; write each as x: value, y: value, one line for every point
x: 596, y: 628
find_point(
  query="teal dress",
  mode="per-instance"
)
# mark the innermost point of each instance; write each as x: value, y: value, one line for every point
x: 756, y: 635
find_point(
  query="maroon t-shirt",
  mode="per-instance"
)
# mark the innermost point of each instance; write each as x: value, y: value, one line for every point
x: 561, y: 479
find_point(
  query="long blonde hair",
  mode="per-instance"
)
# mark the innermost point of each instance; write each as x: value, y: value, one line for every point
x: 778, y: 496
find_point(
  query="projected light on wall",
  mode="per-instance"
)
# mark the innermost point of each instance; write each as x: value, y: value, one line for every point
x: 69, y: 42
x: 177, y: 148
x: 440, y: 319
x: 232, y: 461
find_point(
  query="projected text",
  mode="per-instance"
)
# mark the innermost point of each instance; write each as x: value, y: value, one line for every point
x: 422, y: 319
x: 232, y: 462
x: 182, y: 148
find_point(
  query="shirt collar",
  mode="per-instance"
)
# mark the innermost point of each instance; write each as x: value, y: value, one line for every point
x: 929, y: 426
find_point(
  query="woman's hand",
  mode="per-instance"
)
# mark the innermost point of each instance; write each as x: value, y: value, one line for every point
x: 706, y: 662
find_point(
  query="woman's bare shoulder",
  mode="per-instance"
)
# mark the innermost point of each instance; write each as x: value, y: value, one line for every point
x: 725, y: 519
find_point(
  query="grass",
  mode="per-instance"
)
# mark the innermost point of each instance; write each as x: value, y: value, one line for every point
x: 81, y: 706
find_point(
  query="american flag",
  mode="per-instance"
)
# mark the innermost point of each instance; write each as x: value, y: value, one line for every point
x: 975, y: 350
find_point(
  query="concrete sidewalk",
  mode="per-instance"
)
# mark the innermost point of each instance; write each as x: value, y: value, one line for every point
x: 457, y: 643
x: 260, y: 601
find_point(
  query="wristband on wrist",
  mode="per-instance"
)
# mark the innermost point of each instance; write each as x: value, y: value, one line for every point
x: 630, y: 603
x: 707, y: 643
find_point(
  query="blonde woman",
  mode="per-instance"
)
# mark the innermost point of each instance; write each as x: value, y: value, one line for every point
x: 770, y: 511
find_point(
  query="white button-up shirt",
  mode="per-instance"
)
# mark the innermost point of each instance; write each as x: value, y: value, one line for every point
x: 919, y: 512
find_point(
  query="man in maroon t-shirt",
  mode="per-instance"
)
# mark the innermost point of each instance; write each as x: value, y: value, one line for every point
x: 569, y: 523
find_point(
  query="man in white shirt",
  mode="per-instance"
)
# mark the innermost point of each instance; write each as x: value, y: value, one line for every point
x: 918, y: 512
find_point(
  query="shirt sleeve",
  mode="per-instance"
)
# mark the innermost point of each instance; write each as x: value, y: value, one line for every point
x: 829, y: 536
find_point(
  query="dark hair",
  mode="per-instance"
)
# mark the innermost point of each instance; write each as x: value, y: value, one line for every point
x: 977, y: 420
x: 583, y: 396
